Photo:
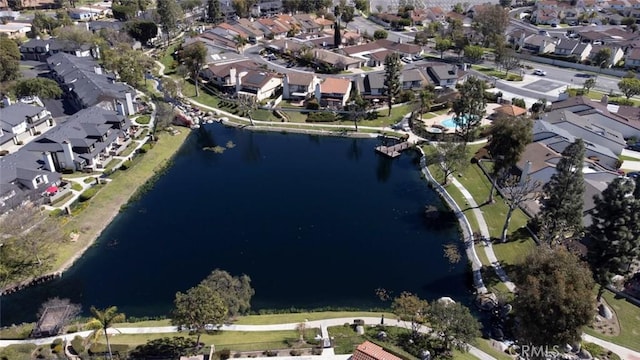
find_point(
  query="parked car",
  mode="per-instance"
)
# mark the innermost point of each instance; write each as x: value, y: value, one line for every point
x: 634, y: 174
x: 407, y: 59
x: 539, y: 72
x: 417, y: 57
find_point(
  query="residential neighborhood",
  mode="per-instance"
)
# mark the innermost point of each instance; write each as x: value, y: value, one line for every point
x: 518, y: 124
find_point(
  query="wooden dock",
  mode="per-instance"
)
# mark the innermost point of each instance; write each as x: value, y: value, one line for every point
x: 393, y: 151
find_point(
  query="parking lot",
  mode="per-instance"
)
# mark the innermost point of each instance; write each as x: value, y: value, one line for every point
x: 543, y: 86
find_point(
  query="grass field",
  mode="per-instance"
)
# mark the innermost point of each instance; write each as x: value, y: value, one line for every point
x: 629, y: 318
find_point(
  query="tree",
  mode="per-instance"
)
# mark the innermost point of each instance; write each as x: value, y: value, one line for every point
x: 491, y: 22
x: 71, y: 313
x: 242, y: 7
x: 602, y: 57
x: 470, y: 107
x: 241, y: 41
x: 28, y: 240
x: 170, y: 13
x: 337, y: 35
x: 9, y: 59
x: 235, y: 291
x: 629, y: 87
x: 130, y: 66
x: 189, y: 5
x: 410, y: 307
x: 614, y: 230
x: 442, y: 45
x: 77, y: 35
x: 357, y: 108
x: 214, y: 14
x: 473, y: 53
x: 454, y: 323
x: 517, y: 192
x: 562, y: 203
x: 194, y: 57
x: 589, y: 84
x: 509, y: 61
x: 362, y: 5
x: 41, y: 87
x: 451, y: 157
x: 142, y: 31
x: 554, y: 299
x: 509, y: 137
x: 380, y: 34
x: 102, y: 321
x: 425, y: 98
x: 198, y: 307
x: 247, y: 104
x: 166, y: 347
x: 392, y: 85
x: 505, y: 3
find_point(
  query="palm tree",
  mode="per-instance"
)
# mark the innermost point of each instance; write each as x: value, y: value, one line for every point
x: 425, y: 97
x: 240, y: 43
x: 103, y: 320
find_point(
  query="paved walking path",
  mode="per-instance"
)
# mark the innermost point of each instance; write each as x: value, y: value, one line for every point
x: 486, y: 236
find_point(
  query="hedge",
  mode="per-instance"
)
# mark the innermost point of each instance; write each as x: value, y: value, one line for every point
x: 321, y: 117
x: 88, y: 194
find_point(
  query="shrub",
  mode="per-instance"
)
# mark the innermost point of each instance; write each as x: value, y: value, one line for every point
x: 295, y: 352
x: 224, y: 354
x: 316, y: 351
x: 406, y: 96
x: 76, y: 187
x: 270, y: 353
x: 78, y: 344
x: 313, y: 105
x: 88, y: 194
x: 20, y: 142
x: 143, y: 119
x: 56, y: 342
x: 237, y: 355
x: 57, y: 349
x: 321, y: 117
x: 125, y: 165
x: 621, y: 101
x: 4, y: 152
x: 56, y: 213
x: 519, y: 102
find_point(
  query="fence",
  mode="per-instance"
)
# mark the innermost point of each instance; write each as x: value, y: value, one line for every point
x: 567, y: 64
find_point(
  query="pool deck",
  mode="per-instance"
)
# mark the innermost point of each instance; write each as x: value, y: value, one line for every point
x: 440, y: 118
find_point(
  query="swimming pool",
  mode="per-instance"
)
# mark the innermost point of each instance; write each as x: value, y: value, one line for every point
x: 451, y: 123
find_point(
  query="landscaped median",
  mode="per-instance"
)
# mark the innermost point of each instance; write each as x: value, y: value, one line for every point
x: 495, y: 73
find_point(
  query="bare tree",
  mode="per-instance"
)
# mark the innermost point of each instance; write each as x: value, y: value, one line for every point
x: 247, y: 104
x: 451, y: 157
x: 516, y: 192
x: 28, y: 238
x: 509, y: 61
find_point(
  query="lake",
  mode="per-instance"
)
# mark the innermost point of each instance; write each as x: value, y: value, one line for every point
x: 314, y: 221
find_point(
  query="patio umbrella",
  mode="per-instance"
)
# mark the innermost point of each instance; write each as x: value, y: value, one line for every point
x: 52, y: 189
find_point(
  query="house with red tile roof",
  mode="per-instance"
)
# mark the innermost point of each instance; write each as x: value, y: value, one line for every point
x: 333, y: 93
x: 370, y: 351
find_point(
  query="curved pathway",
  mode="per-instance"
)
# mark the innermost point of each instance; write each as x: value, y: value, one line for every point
x: 486, y: 236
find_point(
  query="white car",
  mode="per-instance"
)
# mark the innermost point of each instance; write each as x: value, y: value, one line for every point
x: 539, y: 72
x: 407, y: 59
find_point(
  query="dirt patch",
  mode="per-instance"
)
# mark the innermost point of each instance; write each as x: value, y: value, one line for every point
x: 609, y: 327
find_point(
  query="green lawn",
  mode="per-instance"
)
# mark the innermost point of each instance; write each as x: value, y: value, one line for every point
x: 629, y: 319
x: 459, y: 355
x: 129, y: 149
x: 143, y: 119
x: 499, y: 74
x: 301, y: 317
x: 168, y: 61
x: 232, y: 340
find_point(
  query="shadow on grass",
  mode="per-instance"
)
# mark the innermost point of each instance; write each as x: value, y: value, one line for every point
x: 521, y: 235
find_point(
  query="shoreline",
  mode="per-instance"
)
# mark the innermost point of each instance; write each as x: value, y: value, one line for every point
x: 107, y: 216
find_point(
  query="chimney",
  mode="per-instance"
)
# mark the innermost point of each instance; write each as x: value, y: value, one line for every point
x: 48, y: 161
x: 285, y: 87
x: 6, y: 101
x: 525, y: 172
x: 232, y: 75
x: 97, y: 69
x: 286, y: 45
x: 68, y: 155
x: 129, y: 99
x: 318, y: 93
x: 238, y: 83
x: 399, y: 40
x: 120, y: 108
